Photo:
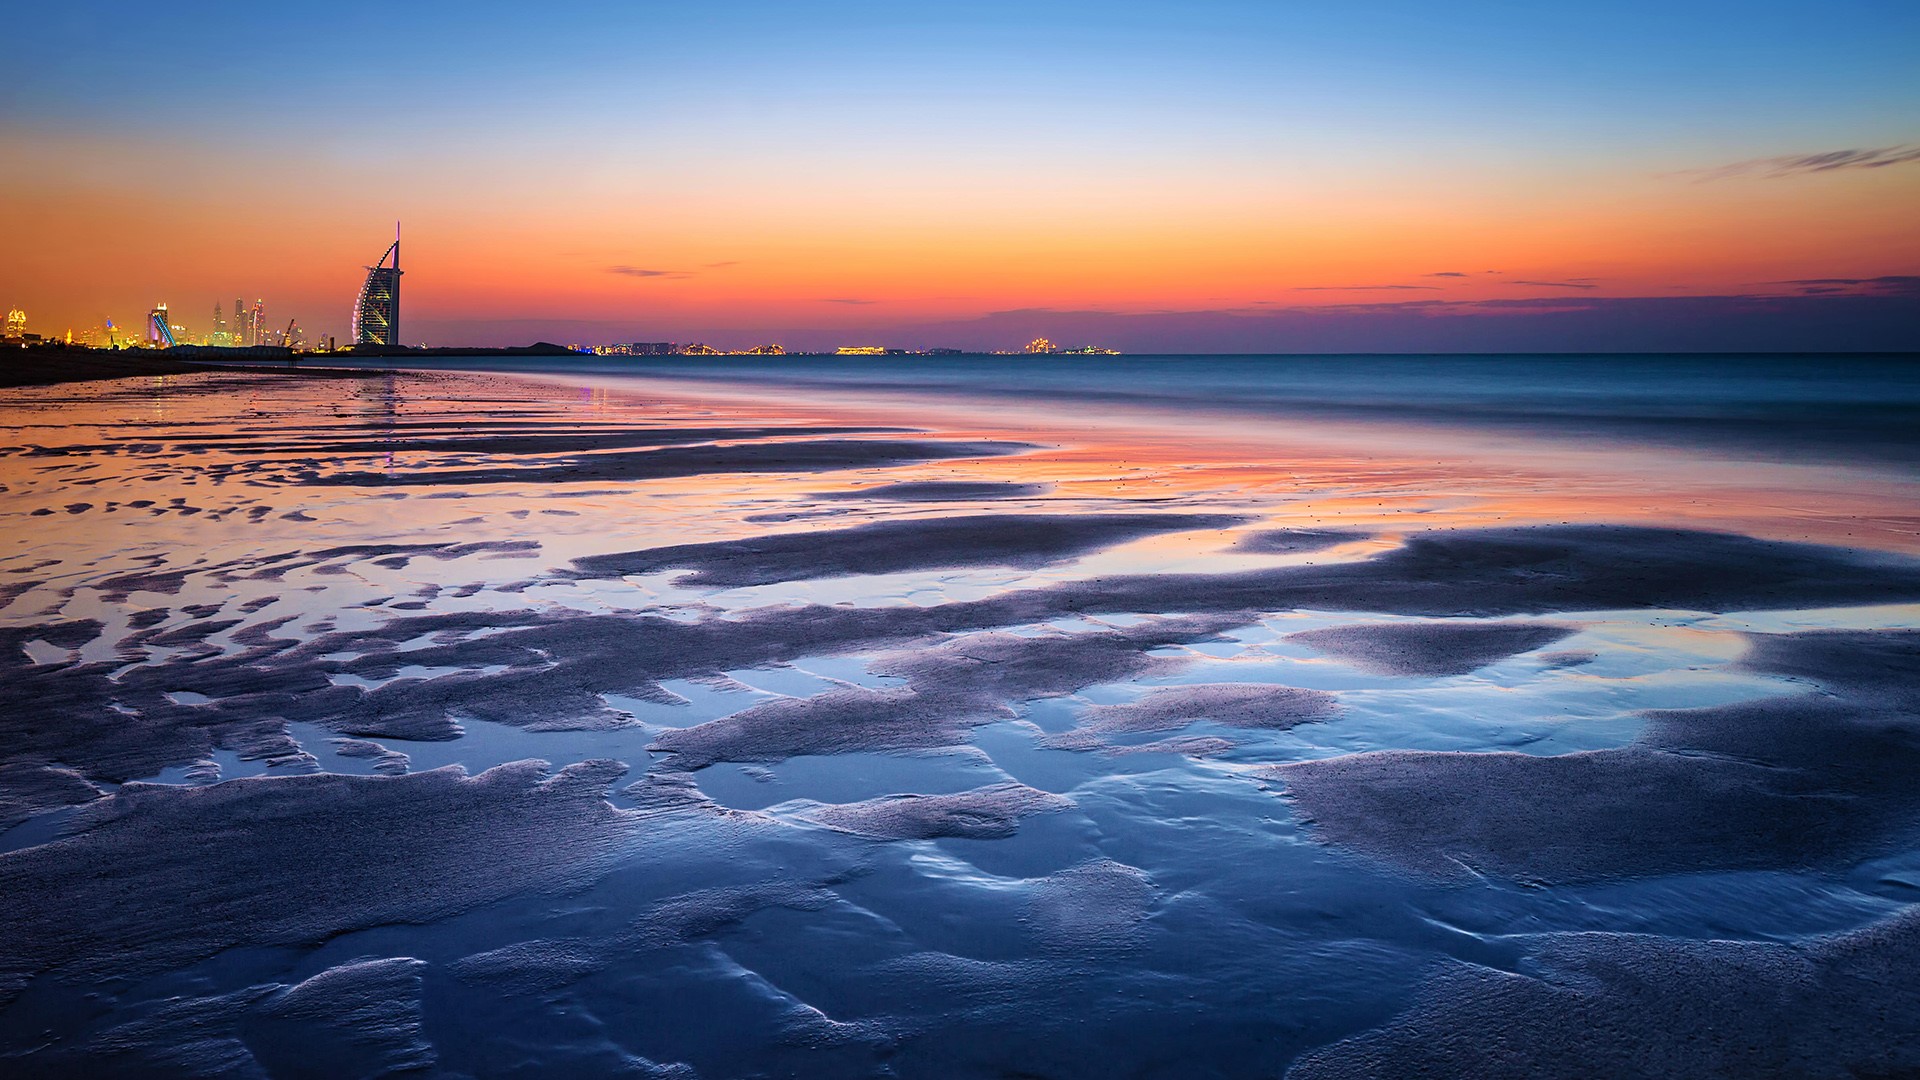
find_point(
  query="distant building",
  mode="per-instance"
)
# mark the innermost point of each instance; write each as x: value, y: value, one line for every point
x: 860, y: 350
x: 159, y: 328
x: 637, y: 348
x: 767, y: 350
x: 16, y: 324
x: 697, y: 349
x: 1039, y: 345
x: 376, y: 314
x: 946, y: 352
x: 1090, y: 350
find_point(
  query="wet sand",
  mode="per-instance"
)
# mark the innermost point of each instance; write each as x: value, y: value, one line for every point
x: 444, y: 722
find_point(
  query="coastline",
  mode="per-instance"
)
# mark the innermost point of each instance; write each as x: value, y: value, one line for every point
x: 55, y: 367
x: 1836, y: 408
x: 1527, y: 471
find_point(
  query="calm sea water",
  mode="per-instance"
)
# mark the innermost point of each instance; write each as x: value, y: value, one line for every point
x: 1837, y: 406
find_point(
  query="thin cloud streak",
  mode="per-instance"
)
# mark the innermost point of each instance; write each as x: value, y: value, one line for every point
x: 1884, y: 285
x: 1777, y: 168
x: 1358, y: 288
x: 641, y: 272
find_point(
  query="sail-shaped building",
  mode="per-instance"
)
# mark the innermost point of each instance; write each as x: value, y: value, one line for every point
x: 376, y: 314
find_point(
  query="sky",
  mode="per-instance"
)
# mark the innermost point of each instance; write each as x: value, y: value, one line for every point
x: 1190, y: 177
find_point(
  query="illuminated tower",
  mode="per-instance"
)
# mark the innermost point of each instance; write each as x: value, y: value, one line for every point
x: 376, y: 314
x: 240, y: 322
x: 159, y: 330
x: 16, y: 324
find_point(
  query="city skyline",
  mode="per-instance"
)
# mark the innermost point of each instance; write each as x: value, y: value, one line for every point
x: 1221, y: 177
x: 164, y: 325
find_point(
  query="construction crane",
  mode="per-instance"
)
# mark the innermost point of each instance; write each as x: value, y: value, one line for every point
x: 287, y: 338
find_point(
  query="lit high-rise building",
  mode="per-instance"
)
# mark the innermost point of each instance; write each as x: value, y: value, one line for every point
x: 376, y: 313
x: 16, y: 324
x: 159, y: 329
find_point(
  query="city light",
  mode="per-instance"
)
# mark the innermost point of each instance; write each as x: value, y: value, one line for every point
x: 376, y: 325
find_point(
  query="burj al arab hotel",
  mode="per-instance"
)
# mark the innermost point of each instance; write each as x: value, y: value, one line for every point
x: 376, y: 314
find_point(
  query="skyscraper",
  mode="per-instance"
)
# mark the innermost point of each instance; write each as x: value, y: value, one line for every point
x: 16, y: 324
x: 376, y: 314
x: 240, y: 322
x: 159, y: 329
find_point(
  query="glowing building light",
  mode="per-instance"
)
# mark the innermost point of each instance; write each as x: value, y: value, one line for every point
x: 376, y: 313
x: 159, y: 329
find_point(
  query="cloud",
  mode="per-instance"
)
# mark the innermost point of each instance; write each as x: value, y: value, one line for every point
x: 1570, y: 283
x: 1357, y: 288
x: 845, y: 300
x: 1774, y: 168
x: 639, y: 272
x: 1048, y: 313
x: 723, y: 265
x: 1445, y: 273
x: 1885, y: 284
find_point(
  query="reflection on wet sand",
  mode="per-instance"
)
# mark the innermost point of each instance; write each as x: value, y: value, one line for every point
x: 687, y: 730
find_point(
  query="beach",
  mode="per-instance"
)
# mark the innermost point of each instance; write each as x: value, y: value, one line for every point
x: 1312, y: 716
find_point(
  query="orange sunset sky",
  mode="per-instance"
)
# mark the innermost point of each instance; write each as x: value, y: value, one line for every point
x: 653, y: 174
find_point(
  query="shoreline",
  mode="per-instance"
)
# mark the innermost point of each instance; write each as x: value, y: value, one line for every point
x: 1674, y: 406
x: 1511, y: 469
x: 56, y: 367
